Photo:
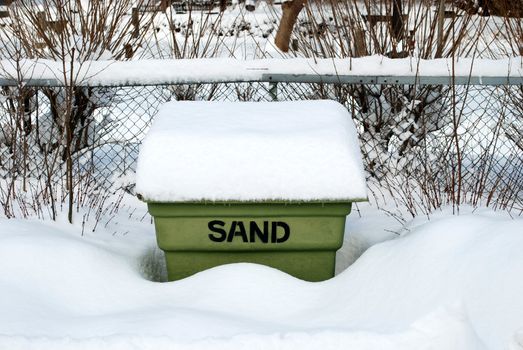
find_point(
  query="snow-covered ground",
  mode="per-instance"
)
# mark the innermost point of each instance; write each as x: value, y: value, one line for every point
x: 451, y: 282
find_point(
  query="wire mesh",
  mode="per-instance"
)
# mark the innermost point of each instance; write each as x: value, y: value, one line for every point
x: 429, y: 144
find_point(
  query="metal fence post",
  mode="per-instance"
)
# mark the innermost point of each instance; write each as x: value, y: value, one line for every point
x: 273, y: 91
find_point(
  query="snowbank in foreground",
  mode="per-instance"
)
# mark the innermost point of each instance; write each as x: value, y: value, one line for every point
x: 443, y: 329
x: 452, y: 283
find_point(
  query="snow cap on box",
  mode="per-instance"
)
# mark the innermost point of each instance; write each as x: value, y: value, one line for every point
x: 251, y: 151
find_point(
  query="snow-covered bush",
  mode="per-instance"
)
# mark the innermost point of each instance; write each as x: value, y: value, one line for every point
x: 73, y: 33
x: 400, y: 126
x: 411, y: 135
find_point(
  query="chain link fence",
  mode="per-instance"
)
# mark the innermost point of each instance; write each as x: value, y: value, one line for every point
x: 423, y: 145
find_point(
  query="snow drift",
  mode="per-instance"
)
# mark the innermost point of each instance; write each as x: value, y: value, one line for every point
x: 452, y: 283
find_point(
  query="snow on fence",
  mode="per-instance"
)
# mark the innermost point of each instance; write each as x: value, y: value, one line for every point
x: 427, y: 140
x: 368, y: 70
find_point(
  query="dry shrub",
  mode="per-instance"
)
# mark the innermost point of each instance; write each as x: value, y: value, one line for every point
x: 418, y: 142
x: 72, y: 33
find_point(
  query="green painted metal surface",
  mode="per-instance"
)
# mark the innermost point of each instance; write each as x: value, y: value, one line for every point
x: 298, y: 238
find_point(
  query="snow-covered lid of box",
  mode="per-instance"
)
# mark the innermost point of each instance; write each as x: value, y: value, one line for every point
x: 251, y: 151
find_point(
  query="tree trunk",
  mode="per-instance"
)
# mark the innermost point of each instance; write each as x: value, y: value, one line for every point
x: 397, y: 20
x: 291, y: 10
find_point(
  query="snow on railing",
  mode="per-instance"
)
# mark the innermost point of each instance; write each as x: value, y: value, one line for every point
x: 367, y: 70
